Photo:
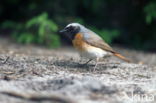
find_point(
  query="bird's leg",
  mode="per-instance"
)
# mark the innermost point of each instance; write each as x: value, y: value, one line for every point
x: 87, y: 61
x: 97, y: 60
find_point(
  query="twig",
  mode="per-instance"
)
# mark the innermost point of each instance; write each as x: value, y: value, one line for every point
x: 8, y: 73
x: 37, y: 97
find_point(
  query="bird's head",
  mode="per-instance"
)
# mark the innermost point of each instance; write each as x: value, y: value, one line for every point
x: 72, y: 29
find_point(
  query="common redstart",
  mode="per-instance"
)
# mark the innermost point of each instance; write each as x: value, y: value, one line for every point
x: 88, y: 43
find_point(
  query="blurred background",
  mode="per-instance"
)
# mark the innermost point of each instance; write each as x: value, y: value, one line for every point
x: 128, y: 23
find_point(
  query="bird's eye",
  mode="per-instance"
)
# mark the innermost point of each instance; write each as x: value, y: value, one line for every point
x: 69, y: 28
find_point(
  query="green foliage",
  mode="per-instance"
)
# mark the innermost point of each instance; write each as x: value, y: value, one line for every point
x: 126, y: 16
x: 8, y: 24
x: 150, y: 11
x: 46, y: 32
x: 107, y: 35
x: 25, y: 38
x: 39, y: 29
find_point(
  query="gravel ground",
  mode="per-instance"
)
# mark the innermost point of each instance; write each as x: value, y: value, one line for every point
x: 31, y: 74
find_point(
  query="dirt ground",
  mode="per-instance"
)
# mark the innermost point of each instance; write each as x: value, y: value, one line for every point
x: 32, y: 74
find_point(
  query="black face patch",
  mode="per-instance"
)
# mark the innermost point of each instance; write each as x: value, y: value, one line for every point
x: 71, y: 31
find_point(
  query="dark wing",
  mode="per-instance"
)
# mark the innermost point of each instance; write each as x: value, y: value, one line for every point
x: 95, y: 40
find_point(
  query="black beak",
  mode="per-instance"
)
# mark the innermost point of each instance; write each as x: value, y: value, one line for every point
x: 62, y: 31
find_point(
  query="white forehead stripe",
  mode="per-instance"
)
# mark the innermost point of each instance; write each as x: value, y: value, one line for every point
x: 82, y: 28
x: 73, y: 24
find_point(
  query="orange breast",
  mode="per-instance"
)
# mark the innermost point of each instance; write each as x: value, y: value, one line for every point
x: 78, y: 42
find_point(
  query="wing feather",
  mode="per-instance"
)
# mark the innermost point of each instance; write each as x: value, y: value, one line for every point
x: 95, y: 40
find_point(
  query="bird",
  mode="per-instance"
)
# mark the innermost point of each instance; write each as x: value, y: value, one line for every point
x: 88, y: 43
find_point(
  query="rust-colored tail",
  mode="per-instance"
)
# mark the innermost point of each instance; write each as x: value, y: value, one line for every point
x: 121, y: 57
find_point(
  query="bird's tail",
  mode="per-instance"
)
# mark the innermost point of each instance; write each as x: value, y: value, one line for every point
x: 121, y: 57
